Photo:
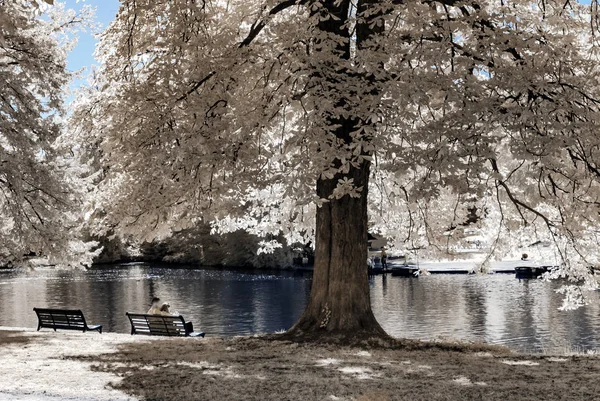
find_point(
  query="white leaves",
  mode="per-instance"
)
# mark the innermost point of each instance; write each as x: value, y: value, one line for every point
x: 573, y: 297
x: 193, y: 125
x: 329, y: 173
x: 268, y: 246
x: 39, y: 210
x: 345, y: 187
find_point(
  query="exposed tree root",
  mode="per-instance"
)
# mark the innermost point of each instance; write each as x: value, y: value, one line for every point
x: 378, y: 340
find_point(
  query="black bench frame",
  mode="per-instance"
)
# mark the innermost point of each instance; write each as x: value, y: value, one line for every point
x: 66, y: 319
x: 160, y: 325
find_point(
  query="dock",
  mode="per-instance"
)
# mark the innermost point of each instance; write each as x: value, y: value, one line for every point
x: 522, y: 268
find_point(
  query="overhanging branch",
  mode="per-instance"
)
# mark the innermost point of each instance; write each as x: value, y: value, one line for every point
x: 256, y: 28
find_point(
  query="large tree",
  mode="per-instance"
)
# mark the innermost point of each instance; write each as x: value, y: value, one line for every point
x: 282, y: 116
x: 35, y: 205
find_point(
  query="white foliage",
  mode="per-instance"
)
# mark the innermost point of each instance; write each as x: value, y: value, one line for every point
x: 226, y: 113
x: 268, y: 246
x: 36, y: 201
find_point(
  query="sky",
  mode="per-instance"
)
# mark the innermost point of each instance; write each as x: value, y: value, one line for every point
x: 83, y: 54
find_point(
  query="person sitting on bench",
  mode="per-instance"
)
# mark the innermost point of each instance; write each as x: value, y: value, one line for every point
x: 154, y: 307
x: 164, y: 310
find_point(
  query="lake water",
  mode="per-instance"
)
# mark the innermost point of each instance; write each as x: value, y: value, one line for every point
x: 498, y: 309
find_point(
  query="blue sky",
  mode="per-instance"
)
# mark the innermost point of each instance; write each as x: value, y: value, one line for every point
x: 83, y: 54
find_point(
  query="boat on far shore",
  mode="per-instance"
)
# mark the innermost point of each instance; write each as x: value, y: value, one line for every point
x: 531, y: 271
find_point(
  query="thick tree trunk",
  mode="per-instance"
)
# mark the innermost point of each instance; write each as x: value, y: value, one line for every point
x: 340, y: 303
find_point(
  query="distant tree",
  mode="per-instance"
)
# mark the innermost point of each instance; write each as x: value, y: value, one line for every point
x: 292, y: 112
x: 37, y: 209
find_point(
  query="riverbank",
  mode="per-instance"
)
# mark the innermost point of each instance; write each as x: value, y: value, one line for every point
x: 45, y: 366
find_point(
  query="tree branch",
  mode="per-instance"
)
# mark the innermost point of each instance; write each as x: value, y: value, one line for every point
x: 256, y: 28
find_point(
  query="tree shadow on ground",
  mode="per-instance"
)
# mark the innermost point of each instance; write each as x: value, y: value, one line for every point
x: 260, y: 369
x: 8, y: 337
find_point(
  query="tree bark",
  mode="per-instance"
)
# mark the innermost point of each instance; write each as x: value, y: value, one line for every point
x: 340, y: 303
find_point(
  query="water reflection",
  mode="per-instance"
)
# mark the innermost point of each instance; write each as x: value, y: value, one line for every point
x: 499, y: 309
x: 219, y: 302
x: 522, y: 314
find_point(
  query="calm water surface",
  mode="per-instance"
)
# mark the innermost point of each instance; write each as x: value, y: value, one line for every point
x: 499, y: 309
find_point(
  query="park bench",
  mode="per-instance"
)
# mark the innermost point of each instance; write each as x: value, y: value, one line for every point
x: 66, y: 319
x: 160, y: 325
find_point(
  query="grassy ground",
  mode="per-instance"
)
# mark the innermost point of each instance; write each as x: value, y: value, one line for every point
x: 258, y: 369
